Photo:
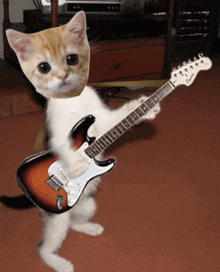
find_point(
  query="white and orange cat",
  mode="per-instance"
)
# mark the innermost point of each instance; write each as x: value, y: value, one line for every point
x: 56, y: 61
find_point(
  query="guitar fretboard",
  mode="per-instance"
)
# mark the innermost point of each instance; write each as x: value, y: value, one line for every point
x: 113, y: 134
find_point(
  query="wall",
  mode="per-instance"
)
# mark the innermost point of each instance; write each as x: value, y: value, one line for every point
x: 16, y: 15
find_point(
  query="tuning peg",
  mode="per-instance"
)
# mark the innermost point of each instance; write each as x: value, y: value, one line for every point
x: 174, y: 69
x: 184, y: 63
x: 201, y: 55
x: 189, y: 61
x: 202, y: 61
x: 179, y: 67
x: 195, y: 59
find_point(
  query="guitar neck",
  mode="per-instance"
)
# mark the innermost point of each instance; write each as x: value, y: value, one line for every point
x: 113, y: 134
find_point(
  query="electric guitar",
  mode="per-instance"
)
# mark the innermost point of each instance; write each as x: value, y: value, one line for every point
x: 41, y: 176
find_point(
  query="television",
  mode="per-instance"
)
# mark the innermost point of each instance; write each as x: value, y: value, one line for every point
x: 105, y: 7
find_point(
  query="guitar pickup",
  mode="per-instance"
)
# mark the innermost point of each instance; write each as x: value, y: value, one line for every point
x: 54, y: 183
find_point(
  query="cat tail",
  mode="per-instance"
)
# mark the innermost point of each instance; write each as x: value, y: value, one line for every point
x: 16, y: 202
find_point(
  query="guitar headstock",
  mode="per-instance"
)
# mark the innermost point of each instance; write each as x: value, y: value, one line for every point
x: 185, y: 74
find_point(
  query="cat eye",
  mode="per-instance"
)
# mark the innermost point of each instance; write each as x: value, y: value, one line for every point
x: 72, y: 59
x: 44, y: 67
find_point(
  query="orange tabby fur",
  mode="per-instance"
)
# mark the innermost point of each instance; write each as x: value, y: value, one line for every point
x: 53, y: 46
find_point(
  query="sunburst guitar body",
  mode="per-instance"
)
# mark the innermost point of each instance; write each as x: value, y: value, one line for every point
x: 44, y: 182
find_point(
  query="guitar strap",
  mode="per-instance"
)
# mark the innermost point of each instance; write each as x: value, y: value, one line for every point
x: 138, y: 84
x: 40, y: 137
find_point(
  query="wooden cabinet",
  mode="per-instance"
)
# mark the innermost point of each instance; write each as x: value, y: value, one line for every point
x: 115, y: 61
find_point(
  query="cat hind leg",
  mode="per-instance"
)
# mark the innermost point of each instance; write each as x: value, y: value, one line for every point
x: 55, y: 231
x: 82, y: 213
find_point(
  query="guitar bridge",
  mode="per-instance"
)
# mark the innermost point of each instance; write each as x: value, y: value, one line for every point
x: 54, y: 183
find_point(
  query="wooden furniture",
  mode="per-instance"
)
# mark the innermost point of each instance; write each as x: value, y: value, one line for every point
x: 127, y: 60
x: 196, y: 26
x: 138, y: 58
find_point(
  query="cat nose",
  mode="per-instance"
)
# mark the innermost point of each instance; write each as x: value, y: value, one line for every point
x: 63, y: 76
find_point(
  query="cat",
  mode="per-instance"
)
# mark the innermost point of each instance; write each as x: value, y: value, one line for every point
x: 56, y: 61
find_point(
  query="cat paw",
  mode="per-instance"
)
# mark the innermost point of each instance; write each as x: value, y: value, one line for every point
x: 151, y: 114
x: 79, y: 166
x: 66, y: 267
x: 92, y: 229
x: 60, y: 264
x: 136, y: 102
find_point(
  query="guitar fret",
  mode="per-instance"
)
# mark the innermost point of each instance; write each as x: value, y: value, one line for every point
x: 161, y: 93
x: 122, y: 127
x: 156, y: 99
x: 126, y: 123
x: 105, y: 140
x: 112, y: 134
x: 101, y: 143
x: 115, y: 133
x: 139, y: 112
x: 142, y: 110
x: 144, y: 107
x: 94, y: 153
x: 130, y: 120
x: 89, y: 152
x: 102, y: 147
x: 108, y: 139
x: 118, y: 129
x: 96, y: 149
x: 134, y: 115
x: 150, y: 103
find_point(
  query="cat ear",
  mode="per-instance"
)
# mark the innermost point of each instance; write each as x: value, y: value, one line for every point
x: 20, y: 43
x: 77, y: 26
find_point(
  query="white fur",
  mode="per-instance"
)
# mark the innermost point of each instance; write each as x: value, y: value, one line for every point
x: 62, y: 115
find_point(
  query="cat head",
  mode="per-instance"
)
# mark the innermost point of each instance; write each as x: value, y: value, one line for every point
x: 56, y: 60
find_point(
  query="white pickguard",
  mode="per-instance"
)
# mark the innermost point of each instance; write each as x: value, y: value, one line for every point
x: 74, y: 187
